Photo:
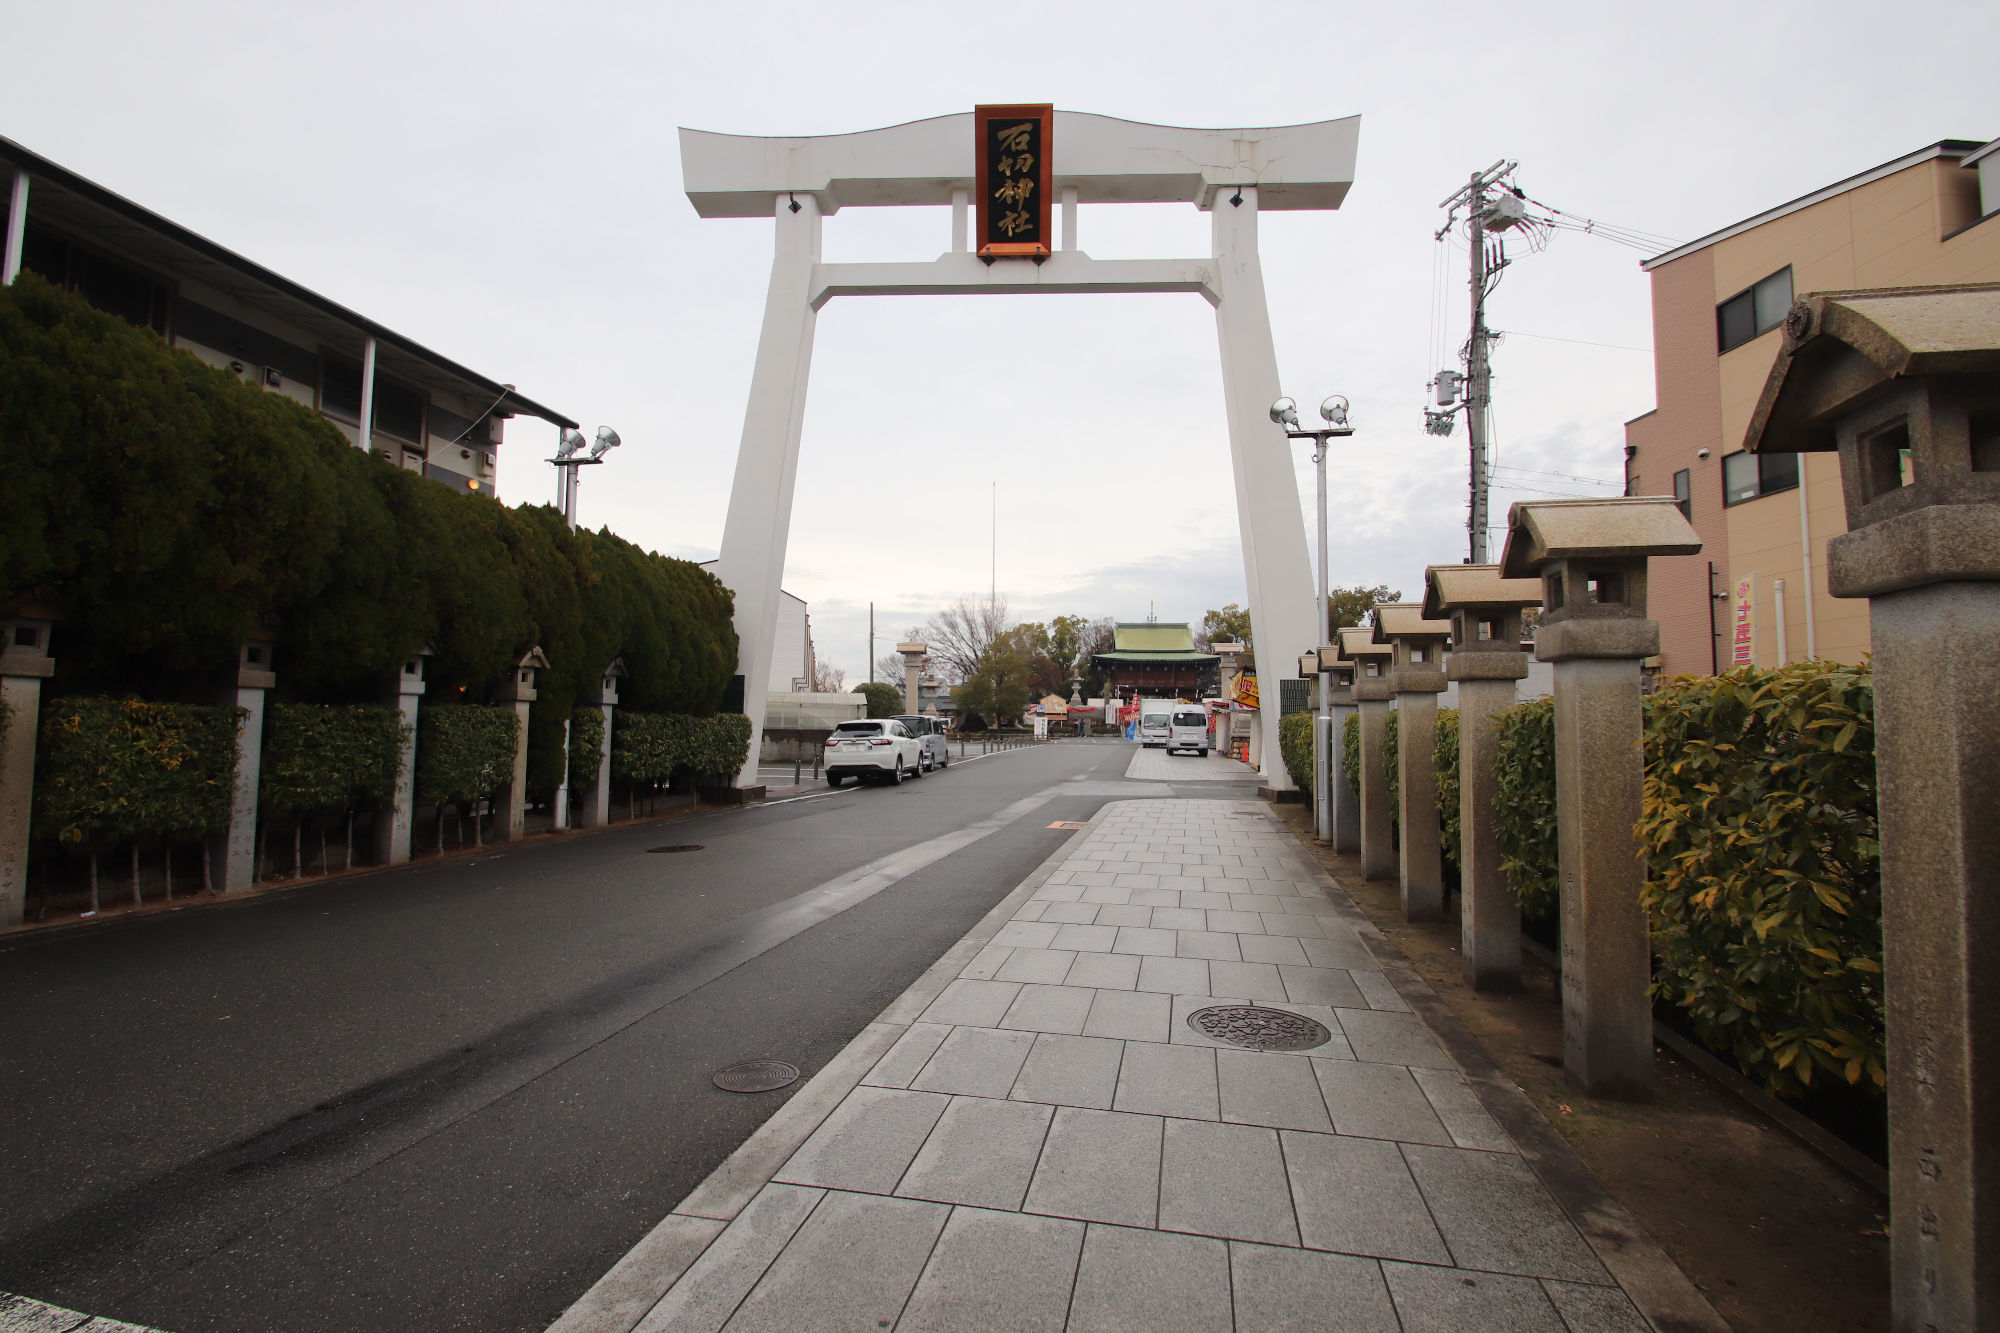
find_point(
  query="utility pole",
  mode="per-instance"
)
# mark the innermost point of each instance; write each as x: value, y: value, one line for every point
x: 871, y: 643
x: 1484, y: 213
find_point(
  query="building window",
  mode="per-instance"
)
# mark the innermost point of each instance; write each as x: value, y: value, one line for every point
x: 1746, y: 476
x: 111, y: 286
x: 1684, y: 494
x: 1756, y: 310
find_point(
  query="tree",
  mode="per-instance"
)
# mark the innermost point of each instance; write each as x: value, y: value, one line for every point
x: 884, y: 700
x: 1066, y: 641
x: 827, y: 678
x: 1097, y: 636
x: 998, y: 688
x: 1031, y: 643
x: 960, y: 634
x: 889, y: 666
x: 1229, y: 625
x: 1346, y: 607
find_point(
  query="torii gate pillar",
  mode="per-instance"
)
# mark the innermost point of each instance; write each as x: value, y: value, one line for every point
x: 1096, y: 159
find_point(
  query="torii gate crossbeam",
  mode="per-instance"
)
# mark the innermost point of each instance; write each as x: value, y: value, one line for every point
x: 1232, y: 174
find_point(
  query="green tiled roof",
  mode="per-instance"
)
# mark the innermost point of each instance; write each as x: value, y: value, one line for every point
x: 1151, y: 637
x: 1157, y: 659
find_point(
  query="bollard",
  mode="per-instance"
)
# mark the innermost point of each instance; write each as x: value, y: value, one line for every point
x: 1486, y: 659
x: 1906, y: 385
x: 1591, y: 558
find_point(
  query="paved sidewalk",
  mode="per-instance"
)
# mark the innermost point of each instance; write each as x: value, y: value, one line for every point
x: 1159, y: 766
x: 1051, y: 1144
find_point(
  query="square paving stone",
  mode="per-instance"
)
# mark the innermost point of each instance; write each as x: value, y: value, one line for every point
x: 976, y: 1004
x: 1495, y: 1215
x: 1307, y: 985
x: 1099, y: 1166
x: 1450, y: 1300
x: 1208, y: 944
x: 1104, y: 971
x: 1167, y: 1080
x: 1133, y: 882
x: 1060, y: 893
x: 1066, y: 914
x: 982, y: 1153
x: 906, y: 1058
x: 1031, y: 910
x: 1176, y: 918
x: 1124, y: 914
x: 1225, y: 1180
x: 1071, y: 1071
x: 1205, y: 898
x: 1156, y: 1281
x: 1159, y: 896
x: 1257, y: 981
x: 1107, y: 893
x: 1049, y: 1009
x: 715, y: 1284
x: 1595, y: 1309
x: 1085, y: 939
x: 1296, y: 924
x: 1379, y: 992
x: 1283, y: 950
x: 1241, y: 923
x: 1146, y: 941
x: 1260, y: 1089
x: 1047, y: 966
x: 1378, y: 1102
x: 985, y: 963
x: 1306, y: 1291
x: 1346, y: 951
x: 1391, y: 1038
x: 998, y: 1273
x: 1254, y: 902
x: 852, y: 1265
x: 1138, y: 1015
x: 868, y: 1141
x: 1355, y: 1196
x: 979, y: 1062
x: 1174, y: 976
x: 1024, y: 935
x: 1459, y: 1107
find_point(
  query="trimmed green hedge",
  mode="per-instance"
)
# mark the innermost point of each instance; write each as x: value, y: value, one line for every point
x: 1524, y: 803
x: 112, y: 770
x: 1445, y: 755
x: 1763, y: 868
x: 319, y: 759
x: 586, y: 746
x: 661, y: 747
x: 1350, y: 752
x: 464, y: 754
x: 1295, y: 745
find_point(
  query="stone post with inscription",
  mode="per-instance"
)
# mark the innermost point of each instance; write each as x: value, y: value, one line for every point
x: 594, y: 803
x: 913, y: 662
x: 1906, y: 385
x: 1417, y: 676
x: 510, y: 803
x: 254, y: 681
x: 394, y: 826
x: 1372, y: 692
x: 1591, y: 558
x: 1486, y: 659
x: 1337, y: 675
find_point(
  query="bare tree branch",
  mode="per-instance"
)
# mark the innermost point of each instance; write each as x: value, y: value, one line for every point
x: 959, y: 635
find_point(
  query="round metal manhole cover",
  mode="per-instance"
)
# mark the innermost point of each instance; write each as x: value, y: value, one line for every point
x: 677, y: 847
x: 1259, y: 1029
x: 755, y: 1076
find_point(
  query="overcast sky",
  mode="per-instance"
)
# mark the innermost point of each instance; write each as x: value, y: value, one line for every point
x: 501, y: 183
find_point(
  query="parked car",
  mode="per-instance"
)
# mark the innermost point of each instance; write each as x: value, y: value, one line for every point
x: 882, y: 749
x: 1155, y: 721
x: 929, y: 732
x: 1188, y: 730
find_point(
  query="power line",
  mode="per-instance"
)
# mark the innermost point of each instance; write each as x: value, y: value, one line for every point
x: 1581, y: 342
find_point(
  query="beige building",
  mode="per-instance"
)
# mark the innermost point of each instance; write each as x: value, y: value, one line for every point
x: 1757, y: 592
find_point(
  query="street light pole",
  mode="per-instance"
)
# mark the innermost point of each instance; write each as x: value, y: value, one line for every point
x: 1285, y: 413
x: 567, y: 462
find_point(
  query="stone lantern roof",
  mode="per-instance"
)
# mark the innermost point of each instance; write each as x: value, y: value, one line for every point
x: 1622, y: 527
x: 1449, y: 588
x: 1395, y: 620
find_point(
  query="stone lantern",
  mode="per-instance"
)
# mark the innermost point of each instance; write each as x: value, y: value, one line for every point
x: 1486, y: 659
x: 1372, y: 693
x: 1337, y: 679
x: 913, y: 661
x: 1417, y: 677
x: 393, y: 826
x: 511, y: 801
x: 1906, y: 385
x: 594, y: 805
x: 25, y: 663
x: 1590, y: 556
x: 254, y: 680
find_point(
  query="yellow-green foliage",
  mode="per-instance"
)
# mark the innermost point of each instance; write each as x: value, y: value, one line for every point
x: 1524, y: 805
x: 1391, y: 738
x: 1295, y: 743
x: 658, y: 747
x: 586, y: 746
x: 1445, y: 756
x: 320, y: 759
x: 1350, y: 751
x: 109, y: 770
x: 1763, y: 874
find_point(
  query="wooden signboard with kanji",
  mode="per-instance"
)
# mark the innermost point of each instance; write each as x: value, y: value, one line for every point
x: 1011, y: 177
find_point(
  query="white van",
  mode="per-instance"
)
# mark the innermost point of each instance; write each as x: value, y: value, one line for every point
x: 1155, y: 721
x: 1187, y: 729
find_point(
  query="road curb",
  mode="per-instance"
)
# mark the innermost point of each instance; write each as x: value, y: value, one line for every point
x: 616, y: 1302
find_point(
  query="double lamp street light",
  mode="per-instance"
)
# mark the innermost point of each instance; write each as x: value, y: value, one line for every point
x: 1333, y: 411
x: 569, y: 457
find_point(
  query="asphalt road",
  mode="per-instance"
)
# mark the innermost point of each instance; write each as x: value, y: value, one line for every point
x: 451, y: 1095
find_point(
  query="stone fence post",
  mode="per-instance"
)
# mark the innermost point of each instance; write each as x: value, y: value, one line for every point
x: 1417, y: 676
x: 595, y: 803
x: 1372, y: 692
x: 238, y: 843
x: 1337, y: 677
x: 393, y: 827
x: 913, y: 662
x: 510, y: 803
x: 1486, y: 659
x: 1906, y: 385
x: 1591, y: 558
x: 24, y: 664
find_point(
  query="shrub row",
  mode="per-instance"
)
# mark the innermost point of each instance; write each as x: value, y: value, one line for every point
x: 135, y: 477
x: 662, y: 747
x: 464, y: 753
x: 586, y: 746
x: 320, y: 758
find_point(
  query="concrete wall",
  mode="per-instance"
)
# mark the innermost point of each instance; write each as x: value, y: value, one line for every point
x: 1895, y: 231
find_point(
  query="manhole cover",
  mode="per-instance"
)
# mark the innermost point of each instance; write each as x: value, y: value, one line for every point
x: 677, y: 847
x: 755, y: 1076
x: 1258, y: 1028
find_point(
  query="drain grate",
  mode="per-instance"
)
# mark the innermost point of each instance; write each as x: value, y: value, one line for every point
x: 755, y: 1076
x: 1259, y: 1029
x: 677, y: 847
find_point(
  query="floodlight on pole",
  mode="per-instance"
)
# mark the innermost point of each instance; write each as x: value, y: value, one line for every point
x: 568, y: 446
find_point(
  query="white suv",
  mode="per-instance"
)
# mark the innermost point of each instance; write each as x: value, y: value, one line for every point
x: 929, y: 732
x: 882, y: 749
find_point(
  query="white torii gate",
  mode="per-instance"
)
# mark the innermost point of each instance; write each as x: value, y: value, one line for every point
x: 1095, y: 159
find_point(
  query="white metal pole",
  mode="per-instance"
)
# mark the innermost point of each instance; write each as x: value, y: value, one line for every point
x: 1806, y: 561
x: 367, y: 394
x: 1778, y: 604
x: 17, y: 228
x: 562, y: 791
x: 1323, y: 724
